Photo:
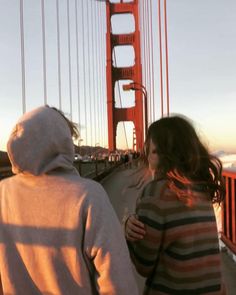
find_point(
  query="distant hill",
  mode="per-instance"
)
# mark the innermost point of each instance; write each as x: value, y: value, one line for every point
x: 4, y: 160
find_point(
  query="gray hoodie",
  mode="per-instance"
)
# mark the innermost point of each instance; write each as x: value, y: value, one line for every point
x: 58, y: 232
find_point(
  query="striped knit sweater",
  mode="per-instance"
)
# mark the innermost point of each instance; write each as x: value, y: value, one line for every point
x: 179, y: 253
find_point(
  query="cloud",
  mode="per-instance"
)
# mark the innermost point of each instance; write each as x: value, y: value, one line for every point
x: 228, y: 159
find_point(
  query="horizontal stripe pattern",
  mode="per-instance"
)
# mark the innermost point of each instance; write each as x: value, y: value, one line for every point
x: 168, y: 290
x: 183, y: 240
x: 193, y: 254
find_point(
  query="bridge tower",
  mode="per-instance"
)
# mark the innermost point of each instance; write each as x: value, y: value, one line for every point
x: 134, y: 73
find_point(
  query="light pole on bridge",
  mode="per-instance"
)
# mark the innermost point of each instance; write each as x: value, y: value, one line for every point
x: 139, y: 87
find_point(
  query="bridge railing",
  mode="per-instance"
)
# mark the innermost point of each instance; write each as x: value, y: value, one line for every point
x: 96, y: 169
x: 228, y: 235
x: 5, y: 171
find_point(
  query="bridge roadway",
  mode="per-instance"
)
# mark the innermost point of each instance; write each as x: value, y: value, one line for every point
x: 123, y: 200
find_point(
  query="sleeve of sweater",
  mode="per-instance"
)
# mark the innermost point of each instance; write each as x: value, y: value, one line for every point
x: 106, y: 249
x: 145, y: 253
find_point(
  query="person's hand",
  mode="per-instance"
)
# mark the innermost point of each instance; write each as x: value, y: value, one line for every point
x: 134, y: 229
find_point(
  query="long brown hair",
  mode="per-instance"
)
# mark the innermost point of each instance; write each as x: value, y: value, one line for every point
x: 72, y: 126
x: 183, y: 159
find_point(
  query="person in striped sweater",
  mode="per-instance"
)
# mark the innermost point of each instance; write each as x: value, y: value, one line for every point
x: 172, y: 238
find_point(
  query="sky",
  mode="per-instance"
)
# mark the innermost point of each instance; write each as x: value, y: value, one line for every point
x: 202, y: 66
x: 202, y: 50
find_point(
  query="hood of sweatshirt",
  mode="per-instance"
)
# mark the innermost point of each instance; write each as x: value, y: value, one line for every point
x: 40, y: 143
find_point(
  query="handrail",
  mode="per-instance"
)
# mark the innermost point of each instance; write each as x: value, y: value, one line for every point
x: 5, y: 171
x: 96, y: 170
x: 228, y: 235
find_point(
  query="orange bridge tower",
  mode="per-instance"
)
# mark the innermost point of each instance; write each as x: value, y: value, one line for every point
x: 133, y: 73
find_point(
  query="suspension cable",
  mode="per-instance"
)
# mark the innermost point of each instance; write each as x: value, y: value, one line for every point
x: 166, y: 48
x: 143, y: 43
x: 160, y: 48
x: 84, y: 69
x: 89, y: 69
x: 99, y: 73
x: 77, y: 62
x: 152, y: 57
x: 95, y: 72
x: 58, y: 53
x: 22, y: 56
x: 93, y: 19
x: 146, y: 54
x: 149, y: 60
x: 44, y: 53
x: 103, y: 71
x: 69, y: 56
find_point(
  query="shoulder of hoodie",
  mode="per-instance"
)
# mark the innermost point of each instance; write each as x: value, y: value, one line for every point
x: 90, y: 193
x: 91, y: 187
x: 88, y: 188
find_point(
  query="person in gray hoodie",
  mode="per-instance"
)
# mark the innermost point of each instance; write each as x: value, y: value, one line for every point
x: 59, y: 234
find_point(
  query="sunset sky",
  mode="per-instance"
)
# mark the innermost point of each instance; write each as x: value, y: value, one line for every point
x: 202, y: 65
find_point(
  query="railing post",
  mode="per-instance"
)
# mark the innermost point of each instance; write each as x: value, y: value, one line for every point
x: 80, y: 169
x: 227, y: 202
x: 233, y: 208
x: 96, y: 167
x: 229, y: 212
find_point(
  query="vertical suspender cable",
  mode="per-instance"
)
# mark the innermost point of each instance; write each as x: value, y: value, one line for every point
x: 104, y: 73
x: 141, y: 35
x: 152, y: 57
x: 103, y: 62
x: 145, y: 55
x: 58, y: 53
x: 144, y: 42
x: 69, y: 56
x: 98, y: 58
x: 167, y: 70
x: 84, y: 74
x: 101, y: 75
x: 89, y: 70
x: 98, y: 75
x: 94, y: 72
x: 148, y: 63
x: 149, y: 60
x: 44, y: 53
x: 160, y: 48
x: 22, y: 55
x: 77, y: 60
